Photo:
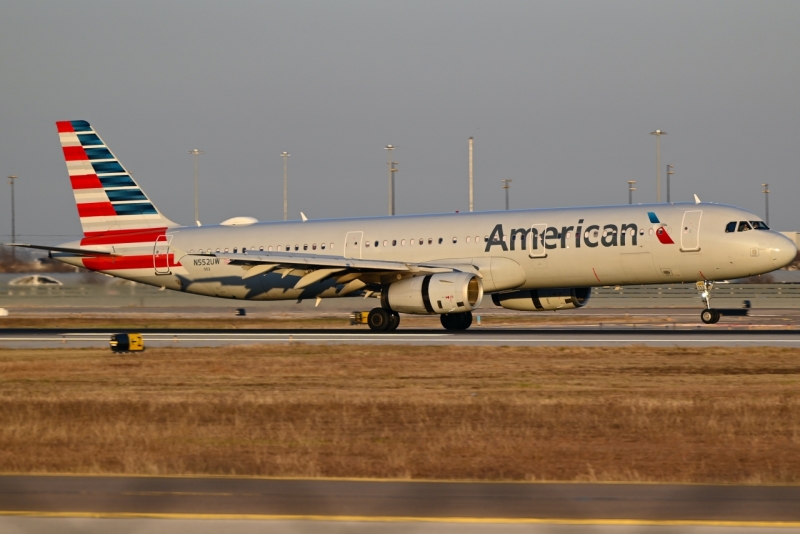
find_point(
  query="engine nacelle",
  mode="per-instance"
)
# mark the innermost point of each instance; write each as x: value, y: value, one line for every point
x: 543, y: 299
x: 434, y: 293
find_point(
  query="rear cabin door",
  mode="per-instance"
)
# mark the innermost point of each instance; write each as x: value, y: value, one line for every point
x: 161, y: 254
x: 690, y: 230
x: 353, y: 244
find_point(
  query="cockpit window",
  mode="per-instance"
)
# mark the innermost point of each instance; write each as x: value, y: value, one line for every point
x: 730, y: 227
x: 744, y: 226
x: 759, y: 225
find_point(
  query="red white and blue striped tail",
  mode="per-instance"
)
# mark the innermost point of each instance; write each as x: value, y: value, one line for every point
x: 108, y: 198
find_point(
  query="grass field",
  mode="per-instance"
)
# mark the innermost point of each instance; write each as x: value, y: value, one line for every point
x: 494, y: 413
x: 198, y: 321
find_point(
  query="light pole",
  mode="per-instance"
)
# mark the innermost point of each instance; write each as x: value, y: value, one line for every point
x: 631, y: 189
x: 472, y: 178
x: 285, y: 156
x: 658, y: 134
x: 196, y: 153
x: 392, y: 170
x: 766, y: 202
x: 13, y: 216
x: 670, y: 172
x: 506, y: 187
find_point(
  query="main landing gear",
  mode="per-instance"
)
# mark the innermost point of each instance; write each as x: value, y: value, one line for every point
x: 708, y: 316
x: 380, y: 320
x: 456, y: 321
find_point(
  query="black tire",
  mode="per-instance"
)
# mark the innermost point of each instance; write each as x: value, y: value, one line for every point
x: 378, y: 320
x: 449, y: 321
x: 710, y: 316
x: 456, y: 321
x: 394, y: 321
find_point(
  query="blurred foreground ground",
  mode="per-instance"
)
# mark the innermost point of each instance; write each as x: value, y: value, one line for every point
x: 496, y: 413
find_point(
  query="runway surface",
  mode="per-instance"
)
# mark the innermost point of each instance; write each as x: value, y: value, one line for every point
x: 598, y: 336
x: 397, y: 501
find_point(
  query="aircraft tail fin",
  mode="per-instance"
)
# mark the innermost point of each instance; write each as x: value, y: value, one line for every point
x: 107, y: 197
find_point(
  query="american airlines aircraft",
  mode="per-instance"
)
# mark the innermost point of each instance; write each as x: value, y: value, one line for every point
x: 530, y: 260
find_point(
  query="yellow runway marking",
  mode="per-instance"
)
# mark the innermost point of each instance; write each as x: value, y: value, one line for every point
x: 402, y: 519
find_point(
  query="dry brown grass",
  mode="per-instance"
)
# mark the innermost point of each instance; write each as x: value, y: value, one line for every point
x: 200, y: 322
x: 564, y: 413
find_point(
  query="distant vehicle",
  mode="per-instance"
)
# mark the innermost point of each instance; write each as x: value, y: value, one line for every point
x: 443, y: 264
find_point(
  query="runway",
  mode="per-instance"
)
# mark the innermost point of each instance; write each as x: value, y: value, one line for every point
x: 598, y: 336
x: 397, y: 501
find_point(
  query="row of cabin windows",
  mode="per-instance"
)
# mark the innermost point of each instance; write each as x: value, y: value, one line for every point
x: 394, y: 243
x: 744, y: 226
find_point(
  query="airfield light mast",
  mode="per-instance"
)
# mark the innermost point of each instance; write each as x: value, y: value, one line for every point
x: 766, y: 202
x: 506, y: 186
x: 658, y: 134
x: 392, y: 170
x: 471, y: 177
x: 196, y: 153
x: 631, y: 189
x: 670, y: 172
x: 11, y: 179
x: 285, y: 156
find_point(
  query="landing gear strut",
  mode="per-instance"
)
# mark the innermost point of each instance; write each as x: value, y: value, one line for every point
x: 708, y: 316
x: 380, y: 320
x: 456, y: 321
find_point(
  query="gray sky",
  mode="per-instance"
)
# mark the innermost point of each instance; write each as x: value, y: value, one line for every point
x: 560, y: 97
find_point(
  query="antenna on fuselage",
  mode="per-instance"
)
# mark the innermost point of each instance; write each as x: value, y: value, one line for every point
x: 696, y: 199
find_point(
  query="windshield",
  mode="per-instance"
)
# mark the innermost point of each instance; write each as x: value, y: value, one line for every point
x: 759, y: 225
x: 744, y: 226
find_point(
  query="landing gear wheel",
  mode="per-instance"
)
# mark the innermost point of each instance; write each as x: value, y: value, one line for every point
x: 378, y: 320
x: 394, y: 321
x: 710, y: 316
x: 456, y: 321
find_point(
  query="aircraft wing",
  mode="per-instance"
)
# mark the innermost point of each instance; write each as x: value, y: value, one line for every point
x: 314, y: 268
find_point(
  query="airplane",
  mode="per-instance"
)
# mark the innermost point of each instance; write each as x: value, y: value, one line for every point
x: 440, y: 264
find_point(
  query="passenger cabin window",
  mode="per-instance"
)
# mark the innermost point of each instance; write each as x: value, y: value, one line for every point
x: 421, y: 241
x: 759, y: 225
x: 394, y: 242
x: 261, y: 248
x: 322, y: 246
x: 744, y: 226
x: 235, y: 250
x: 730, y: 227
x: 314, y: 246
x: 377, y: 243
x: 441, y: 240
x: 455, y: 240
x: 430, y: 241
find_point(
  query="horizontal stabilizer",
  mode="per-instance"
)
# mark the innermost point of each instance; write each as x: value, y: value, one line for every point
x: 78, y: 251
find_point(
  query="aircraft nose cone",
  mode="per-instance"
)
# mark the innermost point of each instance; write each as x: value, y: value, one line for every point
x: 782, y: 250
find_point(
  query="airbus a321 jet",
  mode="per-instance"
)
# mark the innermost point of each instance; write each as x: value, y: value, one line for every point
x: 444, y: 264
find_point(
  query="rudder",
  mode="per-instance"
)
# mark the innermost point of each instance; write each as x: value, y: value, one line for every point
x: 107, y: 197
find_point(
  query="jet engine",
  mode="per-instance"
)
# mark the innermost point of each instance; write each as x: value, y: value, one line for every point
x: 434, y: 293
x: 543, y: 299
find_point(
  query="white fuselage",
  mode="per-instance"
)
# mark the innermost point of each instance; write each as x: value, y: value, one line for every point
x: 521, y: 249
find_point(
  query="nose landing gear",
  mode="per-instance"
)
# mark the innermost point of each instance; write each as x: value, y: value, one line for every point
x: 708, y: 316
